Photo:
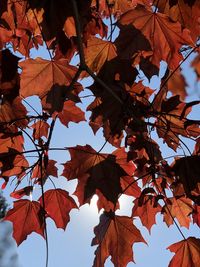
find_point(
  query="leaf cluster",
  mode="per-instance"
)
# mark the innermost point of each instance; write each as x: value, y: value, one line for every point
x: 127, y: 111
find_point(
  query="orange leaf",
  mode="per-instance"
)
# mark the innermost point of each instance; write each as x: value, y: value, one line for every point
x: 70, y: 113
x: 40, y: 75
x: 58, y: 204
x: 40, y: 128
x: 130, y: 186
x: 165, y: 36
x: 115, y: 236
x: 11, y: 140
x: 97, y: 52
x: 14, y: 165
x: 13, y: 112
x: 26, y: 217
x: 187, y: 253
x: 187, y: 12
x: 179, y: 208
x: 91, y: 169
x: 146, y: 211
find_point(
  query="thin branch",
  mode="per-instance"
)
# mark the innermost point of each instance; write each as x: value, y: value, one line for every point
x: 78, y: 33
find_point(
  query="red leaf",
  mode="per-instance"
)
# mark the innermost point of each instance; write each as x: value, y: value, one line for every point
x: 70, y: 113
x: 22, y: 192
x: 58, y: 204
x: 39, y: 75
x: 115, y: 236
x: 130, y: 186
x: 187, y: 253
x: 165, y: 36
x: 179, y: 208
x: 26, y: 217
x: 91, y: 170
x: 146, y: 210
x: 40, y: 128
x: 97, y: 52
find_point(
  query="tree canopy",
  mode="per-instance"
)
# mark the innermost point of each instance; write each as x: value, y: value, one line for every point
x: 120, y: 44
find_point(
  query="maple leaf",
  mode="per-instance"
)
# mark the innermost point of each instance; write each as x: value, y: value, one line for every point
x: 70, y: 113
x: 40, y: 128
x: 187, y: 253
x: 47, y: 169
x: 146, y: 210
x: 95, y: 25
x: 5, y: 36
x: 185, y: 11
x: 90, y: 168
x: 177, y: 84
x: 108, y: 118
x: 179, y: 208
x: 13, y: 112
x: 187, y: 172
x: 23, y: 24
x: 14, y: 165
x: 115, y: 7
x: 130, y: 186
x: 58, y: 12
x: 165, y: 36
x: 115, y: 232
x: 103, y: 203
x: 58, y: 204
x: 26, y: 217
x: 173, y: 121
x: 97, y: 52
x: 11, y: 141
x: 40, y: 76
x: 26, y: 191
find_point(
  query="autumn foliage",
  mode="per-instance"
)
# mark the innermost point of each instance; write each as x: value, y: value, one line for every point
x: 120, y: 44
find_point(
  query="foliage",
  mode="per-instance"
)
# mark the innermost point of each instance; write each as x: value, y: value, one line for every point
x: 150, y: 33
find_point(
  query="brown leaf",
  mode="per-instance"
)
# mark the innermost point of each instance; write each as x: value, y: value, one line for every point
x: 115, y: 7
x: 13, y: 112
x: 187, y: 253
x: 26, y: 191
x: 50, y: 169
x: 11, y: 141
x: 115, y: 232
x: 187, y: 12
x: 91, y: 170
x: 179, y: 208
x: 130, y: 186
x: 146, y: 210
x: 40, y: 76
x: 13, y: 165
x: 187, y: 171
x: 97, y: 52
x: 165, y: 36
x: 70, y: 113
x: 40, y: 128
x: 177, y: 85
